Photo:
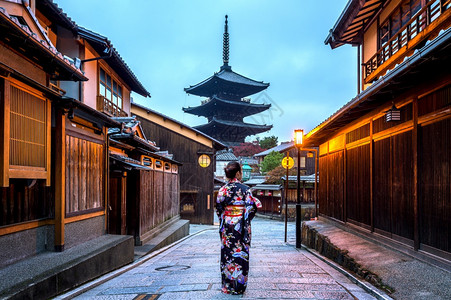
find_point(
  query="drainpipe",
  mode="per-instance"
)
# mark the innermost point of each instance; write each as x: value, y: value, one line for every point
x: 358, y: 69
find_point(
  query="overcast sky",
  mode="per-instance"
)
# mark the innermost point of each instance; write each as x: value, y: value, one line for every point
x: 172, y: 44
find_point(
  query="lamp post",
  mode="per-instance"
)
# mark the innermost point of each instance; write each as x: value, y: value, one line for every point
x: 298, y: 139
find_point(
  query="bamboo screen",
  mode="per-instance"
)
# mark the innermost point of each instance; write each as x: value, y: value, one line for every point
x: 85, y: 169
x: 28, y: 129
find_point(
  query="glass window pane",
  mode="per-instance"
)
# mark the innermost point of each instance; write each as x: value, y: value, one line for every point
x: 119, y: 102
x: 114, y: 87
x: 102, y: 89
x: 415, y: 6
x: 384, y: 33
x: 405, y: 13
x: 102, y: 75
x: 120, y: 91
x: 108, y: 81
x: 108, y: 93
x: 395, y: 23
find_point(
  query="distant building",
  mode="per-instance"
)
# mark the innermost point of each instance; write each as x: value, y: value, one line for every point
x: 226, y: 105
x: 223, y: 157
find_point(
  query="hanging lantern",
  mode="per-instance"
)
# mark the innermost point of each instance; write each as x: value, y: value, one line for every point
x: 393, y: 114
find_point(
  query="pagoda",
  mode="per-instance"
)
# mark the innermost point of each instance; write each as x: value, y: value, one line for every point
x: 226, y: 105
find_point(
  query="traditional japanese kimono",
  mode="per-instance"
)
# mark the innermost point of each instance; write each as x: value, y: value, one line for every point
x: 235, y: 207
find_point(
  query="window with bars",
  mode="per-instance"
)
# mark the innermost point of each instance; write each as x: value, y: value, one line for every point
x: 26, y: 133
x: 28, y: 117
x: 110, y: 88
x: 401, y: 16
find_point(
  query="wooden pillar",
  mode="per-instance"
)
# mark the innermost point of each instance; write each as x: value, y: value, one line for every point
x: 4, y: 132
x: 48, y: 144
x: 60, y: 179
x: 106, y: 191
x: 371, y: 177
x: 416, y: 229
x: 345, y: 186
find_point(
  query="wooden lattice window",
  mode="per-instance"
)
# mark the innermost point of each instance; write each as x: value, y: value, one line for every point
x: 26, y: 132
x: 28, y: 129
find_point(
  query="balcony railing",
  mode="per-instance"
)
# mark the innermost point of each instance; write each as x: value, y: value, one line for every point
x: 417, y: 24
x: 108, y: 107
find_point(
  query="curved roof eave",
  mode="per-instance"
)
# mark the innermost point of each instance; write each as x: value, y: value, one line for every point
x: 245, y: 106
x: 232, y: 78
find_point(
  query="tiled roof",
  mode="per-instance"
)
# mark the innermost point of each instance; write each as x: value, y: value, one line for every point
x: 280, y: 148
x: 268, y: 187
x: 216, y: 121
x: 44, y: 47
x: 218, y: 143
x: 225, y: 155
x: 306, y: 178
x: 255, y: 181
x: 227, y: 78
x: 99, y: 43
x: 215, y: 103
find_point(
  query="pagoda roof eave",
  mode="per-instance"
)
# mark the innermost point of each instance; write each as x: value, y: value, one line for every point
x: 227, y: 77
x: 246, y: 108
x: 224, y: 123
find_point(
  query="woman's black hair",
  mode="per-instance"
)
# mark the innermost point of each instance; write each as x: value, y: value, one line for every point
x: 231, y: 169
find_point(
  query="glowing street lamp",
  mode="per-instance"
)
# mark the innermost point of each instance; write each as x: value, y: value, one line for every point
x: 298, y: 140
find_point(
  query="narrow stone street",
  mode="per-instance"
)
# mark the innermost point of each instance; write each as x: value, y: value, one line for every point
x: 190, y: 270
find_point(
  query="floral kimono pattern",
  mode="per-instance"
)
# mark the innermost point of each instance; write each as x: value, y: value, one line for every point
x: 236, y: 207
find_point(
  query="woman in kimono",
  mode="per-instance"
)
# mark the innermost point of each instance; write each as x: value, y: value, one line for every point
x: 235, y: 207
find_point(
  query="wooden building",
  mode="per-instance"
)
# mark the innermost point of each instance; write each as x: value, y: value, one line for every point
x: 270, y: 195
x: 385, y: 159
x: 59, y: 96
x: 195, y: 151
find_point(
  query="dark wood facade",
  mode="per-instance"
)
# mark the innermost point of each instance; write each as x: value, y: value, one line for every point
x: 186, y: 144
x: 396, y: 181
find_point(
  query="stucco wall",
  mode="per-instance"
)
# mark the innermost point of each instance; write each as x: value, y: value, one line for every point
x: 90, y: 86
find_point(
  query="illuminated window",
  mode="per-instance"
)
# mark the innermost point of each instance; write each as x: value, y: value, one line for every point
x: 204, y: 160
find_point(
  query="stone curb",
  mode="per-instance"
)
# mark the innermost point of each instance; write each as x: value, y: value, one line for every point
x: 324, y: 247
x: 367, y: 287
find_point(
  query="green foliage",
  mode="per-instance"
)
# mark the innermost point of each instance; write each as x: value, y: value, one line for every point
x: 275, y: 175
x: 271, y: 161
x: 268, y: 142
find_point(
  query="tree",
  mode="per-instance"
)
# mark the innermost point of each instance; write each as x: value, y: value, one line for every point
x: 275, y: 175
x: 268, y: 142
x: 247, y: 149
x: 271, y: 161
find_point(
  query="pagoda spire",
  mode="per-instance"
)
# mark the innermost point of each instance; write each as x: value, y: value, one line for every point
x: 225, y: 51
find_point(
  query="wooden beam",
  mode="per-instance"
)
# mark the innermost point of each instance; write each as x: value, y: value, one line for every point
x: 371, y: 177
x: 4, y: 132
x: 416, y: 227
x: 48, y: 144
x: 60, y: 179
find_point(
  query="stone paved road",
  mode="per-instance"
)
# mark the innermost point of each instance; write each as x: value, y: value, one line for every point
x: 190, y: 270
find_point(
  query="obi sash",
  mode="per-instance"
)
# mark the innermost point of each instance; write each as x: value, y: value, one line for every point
x: 234, y: 210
